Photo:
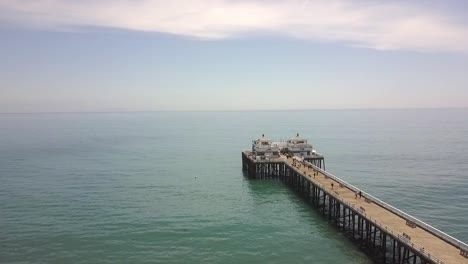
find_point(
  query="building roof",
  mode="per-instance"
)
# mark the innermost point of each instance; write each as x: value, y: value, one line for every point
x: 263, y: 139
x: 297, y: 138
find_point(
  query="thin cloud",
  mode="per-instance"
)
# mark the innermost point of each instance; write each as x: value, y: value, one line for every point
x: 381, y: 25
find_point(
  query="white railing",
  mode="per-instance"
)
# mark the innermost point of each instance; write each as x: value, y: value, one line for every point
x: 449, y: 239
x: 401, y: 238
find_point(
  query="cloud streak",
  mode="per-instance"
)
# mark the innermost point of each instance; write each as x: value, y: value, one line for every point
x: 381, y: 25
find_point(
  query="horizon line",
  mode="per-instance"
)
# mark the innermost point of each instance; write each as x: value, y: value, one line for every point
x: 238, y: 110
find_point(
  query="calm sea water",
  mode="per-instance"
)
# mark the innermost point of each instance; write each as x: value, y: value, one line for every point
x: 168, y: 187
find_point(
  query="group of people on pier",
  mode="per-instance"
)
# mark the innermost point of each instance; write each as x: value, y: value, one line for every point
x: 356, y: 194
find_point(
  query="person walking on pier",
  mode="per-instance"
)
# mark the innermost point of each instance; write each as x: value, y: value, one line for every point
x: 332, y: 185
x: 355, y: 194
x: 360, y: 194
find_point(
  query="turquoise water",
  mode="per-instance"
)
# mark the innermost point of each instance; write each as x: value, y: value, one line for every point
x: 167, y: 187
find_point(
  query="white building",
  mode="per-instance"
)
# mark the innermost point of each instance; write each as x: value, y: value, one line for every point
x: 263, y: 148
x: 299, y: 147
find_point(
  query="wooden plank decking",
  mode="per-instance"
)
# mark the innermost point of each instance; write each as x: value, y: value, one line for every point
x: 421, y: 238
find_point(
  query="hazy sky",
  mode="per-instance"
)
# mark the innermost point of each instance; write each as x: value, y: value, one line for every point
x: 128, y: 55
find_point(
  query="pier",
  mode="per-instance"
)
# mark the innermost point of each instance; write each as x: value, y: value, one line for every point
x: 382, y: 231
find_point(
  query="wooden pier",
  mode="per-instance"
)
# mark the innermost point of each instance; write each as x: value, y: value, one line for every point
x: 385, y: 233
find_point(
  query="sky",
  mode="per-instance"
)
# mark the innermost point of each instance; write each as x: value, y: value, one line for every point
x: 142, y: 55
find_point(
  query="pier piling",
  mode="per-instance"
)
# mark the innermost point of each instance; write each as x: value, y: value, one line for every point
x: 336, y: 202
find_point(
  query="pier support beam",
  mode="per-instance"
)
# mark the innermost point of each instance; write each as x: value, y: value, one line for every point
x: 378, y: 243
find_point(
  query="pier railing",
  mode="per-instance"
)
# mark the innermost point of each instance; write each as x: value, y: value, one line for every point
x: 449, y: 239
x: 401, y: 238
x: 382, y: 226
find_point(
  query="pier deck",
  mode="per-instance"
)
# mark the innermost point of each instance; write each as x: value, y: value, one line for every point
x: 426, y: 245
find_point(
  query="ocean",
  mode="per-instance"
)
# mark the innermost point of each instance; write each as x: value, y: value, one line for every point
x: 167, y: 187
